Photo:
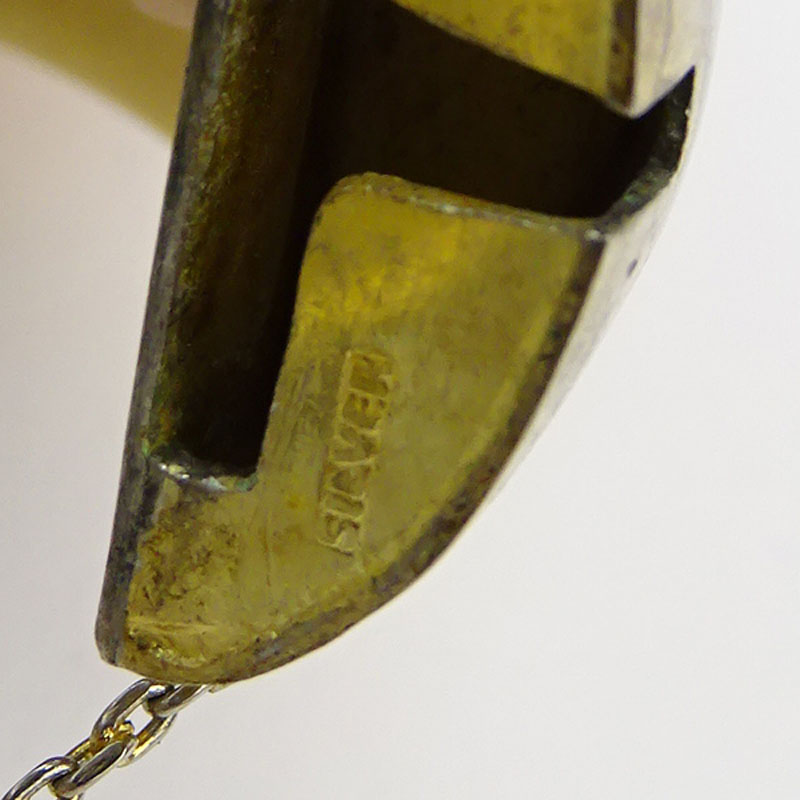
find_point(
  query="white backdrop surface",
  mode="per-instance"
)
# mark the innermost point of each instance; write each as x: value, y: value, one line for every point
x: 623, y: 621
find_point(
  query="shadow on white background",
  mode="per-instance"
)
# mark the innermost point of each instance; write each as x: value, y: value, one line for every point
x: 622, y: 622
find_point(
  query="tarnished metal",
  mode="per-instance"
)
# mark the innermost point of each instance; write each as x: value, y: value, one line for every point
x: 390, y: 238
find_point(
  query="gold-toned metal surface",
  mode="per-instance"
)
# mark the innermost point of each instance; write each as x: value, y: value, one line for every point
x: 628, y: 54
x: 386, y: 251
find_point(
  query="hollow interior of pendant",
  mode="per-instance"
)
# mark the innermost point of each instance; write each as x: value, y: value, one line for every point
x: 397, y: 96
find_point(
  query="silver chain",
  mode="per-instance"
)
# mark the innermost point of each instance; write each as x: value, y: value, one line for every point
x: 113, y: 742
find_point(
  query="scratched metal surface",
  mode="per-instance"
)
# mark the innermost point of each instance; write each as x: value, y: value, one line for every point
x: 476, y: 204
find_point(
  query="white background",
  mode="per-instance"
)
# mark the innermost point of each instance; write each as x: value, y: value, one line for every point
x: 622, y: 622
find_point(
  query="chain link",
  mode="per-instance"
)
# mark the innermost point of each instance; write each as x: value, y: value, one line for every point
x: 113, y: 742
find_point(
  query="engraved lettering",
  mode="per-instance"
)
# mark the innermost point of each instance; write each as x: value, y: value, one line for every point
x: 362, y: 407
x: 351, y: 480
x: 341, y: 534
x: 354, y: 445
x: 342, y: 505
x: 371, y: 374
x: 363, y: 411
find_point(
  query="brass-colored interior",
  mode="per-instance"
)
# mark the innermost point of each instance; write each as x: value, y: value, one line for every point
x: 393, y: 95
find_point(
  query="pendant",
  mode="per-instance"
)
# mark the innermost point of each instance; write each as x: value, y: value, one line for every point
x: 392, y: 234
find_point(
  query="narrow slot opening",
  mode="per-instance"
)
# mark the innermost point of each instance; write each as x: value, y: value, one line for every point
x: 397, y: 96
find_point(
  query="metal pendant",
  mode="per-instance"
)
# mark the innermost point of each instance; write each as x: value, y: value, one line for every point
x: 392, y: 234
